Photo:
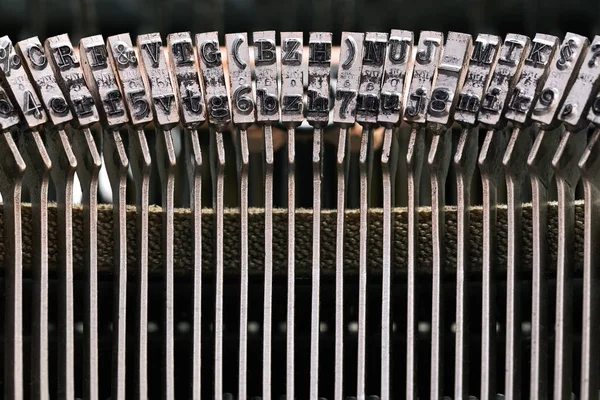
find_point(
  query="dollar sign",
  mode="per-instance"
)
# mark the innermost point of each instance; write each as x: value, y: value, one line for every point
x: 566, y: 54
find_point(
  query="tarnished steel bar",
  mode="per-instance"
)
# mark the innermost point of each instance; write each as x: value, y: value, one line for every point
x: 494, y: 101
x: 428, y: 55
x: 103, y: 85
x: 124, y: 59
x: 481, y: 66
x: 562, y: 72
x: 12, y: 169
x: 159, y: 78
x: 367, y: 107
x: 192, y: 112
x: 292, y: 115
x: 317, y: 115
x: 398, y: 67
x: 219, y: 116
x: 451, y: 76
x: 240, y: 86
x: 22, y: 95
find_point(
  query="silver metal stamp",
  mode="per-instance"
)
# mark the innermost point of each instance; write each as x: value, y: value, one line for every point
x: 102, y: 81
x: 505, y: 76
x: 124, y: 59
x: 484, y: 57
x: 32, y: 53
x: 184, y: 65
x: 319, y: 70
x: 240, y: 79
x: 9, y: 116
x: 158, y: 75
x: 18, y: 86
x: 69, y: 74
x: 424, y: 75
x: 451, y: 75
x: 211, y: 65
x: 560, y: 75
x: 348, y: 79
x: 398, y: 67
x: 579, y: 103
x: 265, y: 68
x: 367, y: 102
x: 292, y: 78
x: 535, y: 71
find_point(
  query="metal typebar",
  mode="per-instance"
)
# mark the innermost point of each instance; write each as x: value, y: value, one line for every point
x: 399, y: 63
x: 519, y: 109
x: 267, y: 114
x: 12, y: 169
x: 424, y: 77
x: 344, y: 115
x: 481, y: 66
x: 504, y: 78
x: 367, y: 107
x: 103, y: 85
x: 70, y: 78
x: 22, y: 95
x: 240, y: 86
x: 125, y: 61
x: 317, y: 107
x: 219, y: 116
x: 579, y: 109
x: 451, y: 76
x: 292, y: 115
x: 562, y: 72
x: 192, y: 112
x: 159, y: 78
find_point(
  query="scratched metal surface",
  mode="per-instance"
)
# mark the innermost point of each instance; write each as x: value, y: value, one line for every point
x: 357, y: 214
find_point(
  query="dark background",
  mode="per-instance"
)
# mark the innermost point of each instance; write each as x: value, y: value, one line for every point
x: 86, y: 17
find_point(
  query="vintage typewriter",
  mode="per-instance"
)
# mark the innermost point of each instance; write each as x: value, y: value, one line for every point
x: 299, y: 200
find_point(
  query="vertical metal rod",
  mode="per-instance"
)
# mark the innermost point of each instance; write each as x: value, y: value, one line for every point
x: 317, y: 163
x: 414, y: 165
x: 63, y: 171
x: 194, y: 171
x: 317, y: 107
x: 192, y: 110
x: 167, y: 169
x: 292, y: 115
x: 217, y: 154
x: 590, y: 371
x: 37, y: 178
x: 388, y: 166
x: 12, y: 169
x: 155, y: 70
x: 243, y: 164
x: 117, y: 164
x: 465, y: 159
x: 291, y: 283
x: 268, y: 278
x: 141, y: 168
x: 398, y: 68
x: 89, y: 162
x: 566, y: 158
x: 371, y: 76
x: 365, y: 167
x: 513, y: 161
x: 439, y: 162
x: 540, y: 169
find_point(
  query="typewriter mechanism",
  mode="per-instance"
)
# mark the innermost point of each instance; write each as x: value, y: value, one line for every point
x: 287, y: 214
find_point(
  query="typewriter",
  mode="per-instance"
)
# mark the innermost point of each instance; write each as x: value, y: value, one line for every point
x: 299, y: 200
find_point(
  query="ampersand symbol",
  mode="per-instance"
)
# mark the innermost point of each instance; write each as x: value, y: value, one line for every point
x: 125, y: 56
